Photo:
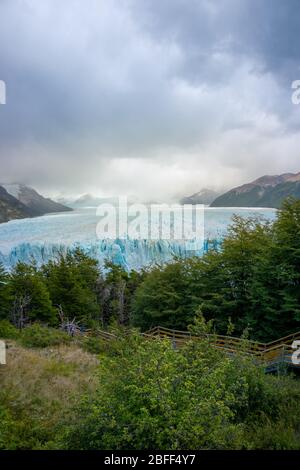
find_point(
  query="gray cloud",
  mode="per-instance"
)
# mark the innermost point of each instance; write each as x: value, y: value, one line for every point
x: 152, y: 98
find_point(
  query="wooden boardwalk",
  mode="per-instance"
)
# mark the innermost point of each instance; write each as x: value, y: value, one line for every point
x: 272, y: 355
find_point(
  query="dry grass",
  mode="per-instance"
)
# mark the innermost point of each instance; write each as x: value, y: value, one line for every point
x: 42, y: 387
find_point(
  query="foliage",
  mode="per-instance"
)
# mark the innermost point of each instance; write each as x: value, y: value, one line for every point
x: 94, y: 345
x: 71, y: 282
x: 38, y: 336
x: 152, y: 397
x: 116, y: 291
x: 286, y: 262
x: 26, y: 281
x: 4, y: 293
x: 143, y: 394
x: 164, y: 298
x: 7, y: 330
x: 253, y: 280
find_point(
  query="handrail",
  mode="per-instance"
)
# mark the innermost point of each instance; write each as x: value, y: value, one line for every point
x: 233, y: 338
x: 266, y: 352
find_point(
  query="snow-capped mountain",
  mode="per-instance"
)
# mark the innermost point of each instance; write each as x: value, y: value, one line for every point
x: 20, y: 201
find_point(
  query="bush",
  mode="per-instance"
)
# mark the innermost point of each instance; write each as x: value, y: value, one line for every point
x: 7, y: 330
x: 38, y: 336
x: 152, y: 397
x: 94, y: 345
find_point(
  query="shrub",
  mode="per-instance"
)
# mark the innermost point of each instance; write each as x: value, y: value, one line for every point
x: 38, y: 336
x: 152, y: 397
x: 7, y: 330
x: 94, y: 345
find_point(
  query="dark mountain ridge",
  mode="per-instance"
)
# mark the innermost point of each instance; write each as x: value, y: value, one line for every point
x: 11, y: 208
x: 266, y: 191
x: 18, y: 201
x: 205, y: 196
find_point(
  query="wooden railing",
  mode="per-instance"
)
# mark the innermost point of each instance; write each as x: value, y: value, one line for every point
x: 270, y: 354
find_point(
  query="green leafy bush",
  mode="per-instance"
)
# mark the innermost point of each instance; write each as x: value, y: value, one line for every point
x: 7, y: 330
x: 94, y: 345
x: 152, y: 397
x: 38, y: 336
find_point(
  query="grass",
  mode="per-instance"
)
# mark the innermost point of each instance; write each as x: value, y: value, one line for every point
x: 46, y: 377
x: 39, y: 391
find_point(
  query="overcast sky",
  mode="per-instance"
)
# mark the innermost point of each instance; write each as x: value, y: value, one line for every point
x: 154, y: 98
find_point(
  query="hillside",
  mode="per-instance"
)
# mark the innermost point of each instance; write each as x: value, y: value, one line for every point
x: 205, y: 196
x: 267, y: 191
x: 37, y: 204
x: 11, y: 208
x: 19, y: 201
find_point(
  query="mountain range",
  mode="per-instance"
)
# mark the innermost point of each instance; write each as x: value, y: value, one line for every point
x: 18, y: 201
x: 267, y: 191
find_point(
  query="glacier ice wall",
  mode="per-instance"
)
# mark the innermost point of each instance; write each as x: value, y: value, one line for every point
x: 131, y: 254
x: 43, y: 238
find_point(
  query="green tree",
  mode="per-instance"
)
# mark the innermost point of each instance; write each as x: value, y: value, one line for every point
x: 286, y: 264
x: 221, y: 283
x: 244, y: 257
x: 27, y: 282
x: 5, y: 299
x: 115, y: 292
x: 72, y: 283
x: 164, y: 299
x: 238, y: 281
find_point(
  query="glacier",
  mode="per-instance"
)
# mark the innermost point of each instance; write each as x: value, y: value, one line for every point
x: 42, y: 238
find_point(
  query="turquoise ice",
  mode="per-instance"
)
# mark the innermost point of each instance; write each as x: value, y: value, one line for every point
x: 42, y: 238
